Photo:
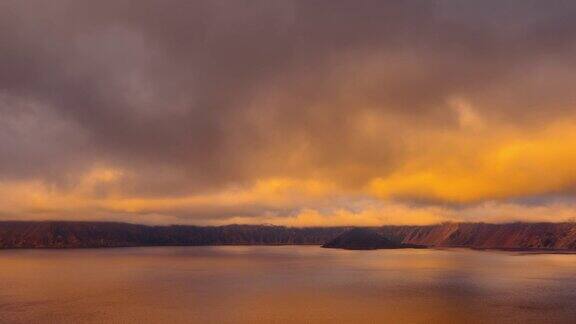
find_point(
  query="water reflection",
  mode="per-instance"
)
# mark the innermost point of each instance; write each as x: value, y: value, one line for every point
x: 284, y: 284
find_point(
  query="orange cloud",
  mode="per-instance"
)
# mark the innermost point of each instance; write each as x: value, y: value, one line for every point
x: 471, y: 166
x: 397, y: 213
x: 499, y: 163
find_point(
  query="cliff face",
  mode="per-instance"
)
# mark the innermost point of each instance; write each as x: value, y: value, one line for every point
x: 488, y: 236
x: 102, y: 234
x: 71, y: 234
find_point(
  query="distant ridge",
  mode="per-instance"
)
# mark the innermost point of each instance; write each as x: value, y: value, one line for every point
x: 73, y: 234
x: 64, y: 234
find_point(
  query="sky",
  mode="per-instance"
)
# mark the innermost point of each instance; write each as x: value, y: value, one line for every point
x: 299, y: 113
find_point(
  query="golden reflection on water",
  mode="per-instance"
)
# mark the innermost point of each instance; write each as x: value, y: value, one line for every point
x: 284, y: 284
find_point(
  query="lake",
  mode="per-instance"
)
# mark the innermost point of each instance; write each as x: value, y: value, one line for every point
x: 285, y: 284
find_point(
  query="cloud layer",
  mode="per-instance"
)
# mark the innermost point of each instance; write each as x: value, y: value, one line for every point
x: 290, y: 112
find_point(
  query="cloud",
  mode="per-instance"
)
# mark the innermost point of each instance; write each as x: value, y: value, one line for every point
x: 499, y: 163
x: 194, y: 106
x: 396, y: 213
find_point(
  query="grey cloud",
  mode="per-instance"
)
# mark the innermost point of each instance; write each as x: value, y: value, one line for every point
x: 170, y: 85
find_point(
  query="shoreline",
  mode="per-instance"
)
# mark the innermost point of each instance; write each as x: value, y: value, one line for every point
x: 517, y: 251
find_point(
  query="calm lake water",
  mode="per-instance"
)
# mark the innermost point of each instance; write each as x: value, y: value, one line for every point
x: 284, y: 284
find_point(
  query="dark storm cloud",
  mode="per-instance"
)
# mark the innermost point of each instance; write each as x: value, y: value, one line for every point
x: 200, y: 94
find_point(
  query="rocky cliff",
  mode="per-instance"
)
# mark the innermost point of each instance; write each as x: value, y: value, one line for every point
x: 107, y: 234
x: 560, y: 236
x: 488, y: 236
